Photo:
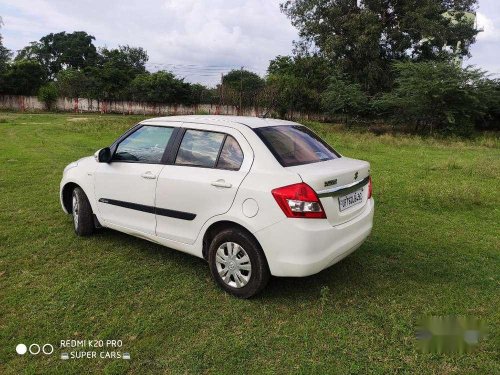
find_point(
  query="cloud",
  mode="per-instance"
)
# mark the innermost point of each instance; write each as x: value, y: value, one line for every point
x: 193, y: 38
x: 490, y: 32
x: 196, y: 39
x: 485, y: 52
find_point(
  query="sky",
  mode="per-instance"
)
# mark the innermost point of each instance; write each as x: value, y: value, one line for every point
x: 196, y: 39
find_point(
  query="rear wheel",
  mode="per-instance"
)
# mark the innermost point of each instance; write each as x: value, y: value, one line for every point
x: 237, y: 263
x: 83, y: 221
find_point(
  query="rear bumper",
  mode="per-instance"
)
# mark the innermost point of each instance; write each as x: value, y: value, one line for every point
x: 303, y: 247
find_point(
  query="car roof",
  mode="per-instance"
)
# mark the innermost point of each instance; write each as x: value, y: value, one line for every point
x: 233, y: 121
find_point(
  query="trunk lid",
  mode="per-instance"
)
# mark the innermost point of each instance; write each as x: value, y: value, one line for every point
x: 328, y: 178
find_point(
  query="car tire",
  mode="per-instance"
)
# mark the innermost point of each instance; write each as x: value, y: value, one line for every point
x: 237, y: 263
x: 83, y: 220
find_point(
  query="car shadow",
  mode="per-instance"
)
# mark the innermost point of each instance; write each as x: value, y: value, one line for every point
x: 373, y: 265
x: 347, y: 273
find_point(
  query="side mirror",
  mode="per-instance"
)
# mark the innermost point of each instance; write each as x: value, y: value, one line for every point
x: 103, y: 155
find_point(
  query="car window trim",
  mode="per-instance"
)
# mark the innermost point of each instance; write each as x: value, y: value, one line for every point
x: 173, y: 155
x: 115, y: 144
x: 134, y: 129
x: 220, y: 151
x: 177, y: 147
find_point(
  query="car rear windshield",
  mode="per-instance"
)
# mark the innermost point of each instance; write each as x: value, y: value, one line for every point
x: 295, y: 145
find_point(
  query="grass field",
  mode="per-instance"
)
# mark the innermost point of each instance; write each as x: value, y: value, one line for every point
x: 434, y: 250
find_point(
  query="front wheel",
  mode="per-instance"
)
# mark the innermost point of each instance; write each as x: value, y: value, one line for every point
x: 83, y: 220
x: 237, y: 263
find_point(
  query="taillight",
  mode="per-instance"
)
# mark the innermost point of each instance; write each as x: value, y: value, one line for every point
x: 370, y: 187
x: 299, y: 200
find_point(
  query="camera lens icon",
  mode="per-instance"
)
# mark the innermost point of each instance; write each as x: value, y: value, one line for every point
x: 47, y: 349
x: 35, y: 349
x: 21, y: 349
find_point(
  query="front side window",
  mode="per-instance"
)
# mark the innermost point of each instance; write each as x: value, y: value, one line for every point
x: 199, y: 148
x: 295, y: 145
x: 146, y: 145
x: 231, y: 155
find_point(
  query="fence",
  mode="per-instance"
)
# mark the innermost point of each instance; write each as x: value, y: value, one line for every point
x: 82, y: 105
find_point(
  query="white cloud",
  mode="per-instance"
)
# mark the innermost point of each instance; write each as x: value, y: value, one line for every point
x: 194, y: 38
x: 490, y: 32
x: 486, y: 52
x: 212, y: 35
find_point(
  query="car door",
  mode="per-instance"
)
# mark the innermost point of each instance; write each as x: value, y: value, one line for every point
x: 202, y: 180
x: 125, y: 187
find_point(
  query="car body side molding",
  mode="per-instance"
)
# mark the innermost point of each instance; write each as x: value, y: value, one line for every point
x: 150, y: 209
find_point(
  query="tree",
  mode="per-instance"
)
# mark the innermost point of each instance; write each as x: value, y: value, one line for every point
x: 48, y: 94
x: 344, y: 97
x: 132, y: 59
x: 160, y: 87
x: 296, y: 83
x: 5, y: 54
x: 23, y: 77
x: 242, y: 84
x: 73, y: 83
x: 492, y: 119
x: 364, y: 37
x: 201, y: 94
x: 439, y: 96
x: 56, y: 52
x: 116, y: 69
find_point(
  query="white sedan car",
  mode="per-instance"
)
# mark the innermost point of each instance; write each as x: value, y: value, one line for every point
x: 254, y: 197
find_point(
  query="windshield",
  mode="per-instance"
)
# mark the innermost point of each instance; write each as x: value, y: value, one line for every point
x: 295, y: 145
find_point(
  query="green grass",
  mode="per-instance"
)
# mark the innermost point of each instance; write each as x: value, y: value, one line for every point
x: 434, y: 250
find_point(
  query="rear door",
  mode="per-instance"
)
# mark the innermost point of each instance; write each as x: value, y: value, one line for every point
x: 125, y: 188
x: 201, y: 180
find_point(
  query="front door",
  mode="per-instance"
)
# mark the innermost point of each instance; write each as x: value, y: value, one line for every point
x: 125, y: 187
x: 202, y: 182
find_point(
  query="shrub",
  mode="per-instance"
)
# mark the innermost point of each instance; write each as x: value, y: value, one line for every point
x: 22, y: 77
x: 72, y: 83
x: 491, y: 121
x: 343, y: 97
x: 438, y: 96
x: 48, y: 94
x: 159, y: 87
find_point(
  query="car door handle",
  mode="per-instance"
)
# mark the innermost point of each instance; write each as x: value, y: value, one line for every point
x: 148, y: 175
x: 222, y: 184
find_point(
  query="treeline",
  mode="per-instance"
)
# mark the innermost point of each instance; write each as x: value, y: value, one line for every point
x: 69, y: 64
x: 359, y: 62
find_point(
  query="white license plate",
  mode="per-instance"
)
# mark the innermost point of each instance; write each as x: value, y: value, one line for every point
x: 351, y: 199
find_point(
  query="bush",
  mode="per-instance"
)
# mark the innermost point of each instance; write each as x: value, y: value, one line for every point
x: 439, y: 96
x: 72, y: 83
x: 22, y: 77
x: 241, y: 85
x: 159, y: 87
x: 343, y: 97
x: 295, y: 84
x: 48, y: 94
x: 491, y: 121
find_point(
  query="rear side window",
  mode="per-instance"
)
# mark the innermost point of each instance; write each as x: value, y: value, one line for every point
x: 295, y: 145
x: 145, y: 145
x: 231, y: 155
x: 199, y: 148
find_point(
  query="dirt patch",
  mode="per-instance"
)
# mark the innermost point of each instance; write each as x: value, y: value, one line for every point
x: 78, y: 118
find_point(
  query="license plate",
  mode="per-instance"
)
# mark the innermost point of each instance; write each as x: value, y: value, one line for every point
x: 351, y: 199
